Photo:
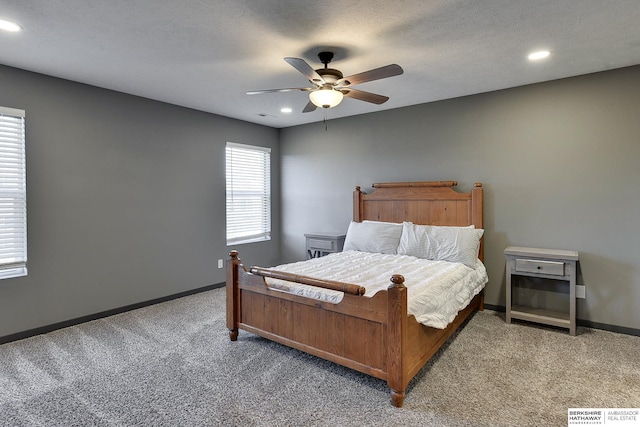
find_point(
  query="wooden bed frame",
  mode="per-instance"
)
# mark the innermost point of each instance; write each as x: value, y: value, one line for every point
x: 373, y: 335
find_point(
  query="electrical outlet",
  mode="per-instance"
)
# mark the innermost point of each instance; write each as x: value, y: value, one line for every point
x: 220, y: 263
x: 581, y: 291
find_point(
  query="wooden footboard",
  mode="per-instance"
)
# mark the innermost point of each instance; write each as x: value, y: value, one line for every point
x: 373, y: 335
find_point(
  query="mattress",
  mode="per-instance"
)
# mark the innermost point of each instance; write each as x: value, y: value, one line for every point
x: 436, y: 290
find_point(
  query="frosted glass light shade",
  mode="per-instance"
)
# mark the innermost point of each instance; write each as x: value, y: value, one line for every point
x: 326, y: 98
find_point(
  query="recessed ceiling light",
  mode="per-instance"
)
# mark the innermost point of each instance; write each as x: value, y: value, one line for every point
x: 541, y: 54
x: 286, y: 110
x: 9, y: 26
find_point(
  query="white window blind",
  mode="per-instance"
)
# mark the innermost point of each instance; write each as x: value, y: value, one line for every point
x: 248, y: 193
x: 13, y: 196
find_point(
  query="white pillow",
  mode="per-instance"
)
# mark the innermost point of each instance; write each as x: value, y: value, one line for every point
x: 441, y: 243
x: 373, y: 236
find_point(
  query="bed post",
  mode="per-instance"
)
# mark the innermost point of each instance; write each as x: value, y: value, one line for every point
x: 477, y: 219
x: 357, y: 205
x: 233, y: 312
x: 397, y: 339
x: 476, y: 213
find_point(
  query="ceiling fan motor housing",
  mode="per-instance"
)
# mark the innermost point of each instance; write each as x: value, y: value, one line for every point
x: 330, y: 75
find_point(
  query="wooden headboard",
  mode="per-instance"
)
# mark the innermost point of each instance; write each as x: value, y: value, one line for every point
x: 427, y: 203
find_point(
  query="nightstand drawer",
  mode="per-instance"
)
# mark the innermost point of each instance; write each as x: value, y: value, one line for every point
x: 323, y: 245
x: 553, y: 268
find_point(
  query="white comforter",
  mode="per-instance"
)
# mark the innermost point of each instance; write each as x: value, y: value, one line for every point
x: 437, y: 290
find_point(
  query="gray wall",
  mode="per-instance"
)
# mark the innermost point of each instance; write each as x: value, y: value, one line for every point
x: 125, y: 199
x: 558, y: 162
x: 126, y: 195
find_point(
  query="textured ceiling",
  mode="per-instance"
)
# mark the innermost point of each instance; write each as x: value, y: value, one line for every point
x: 205, y: 54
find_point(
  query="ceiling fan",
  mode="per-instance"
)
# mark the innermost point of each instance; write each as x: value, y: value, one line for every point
x: 329, y: 86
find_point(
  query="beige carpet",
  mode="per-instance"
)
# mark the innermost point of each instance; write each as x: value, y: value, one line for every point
x: 172, y: 364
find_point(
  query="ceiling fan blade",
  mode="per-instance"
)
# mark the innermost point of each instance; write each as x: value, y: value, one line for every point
x: 364, y: 96
x: 367, y: 76
x: 302, y: 66
x: 288, y: 89
x: 309, y: 107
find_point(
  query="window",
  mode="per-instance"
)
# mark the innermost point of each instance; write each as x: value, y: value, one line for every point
x: 248, y: 193
x: 13, y: 194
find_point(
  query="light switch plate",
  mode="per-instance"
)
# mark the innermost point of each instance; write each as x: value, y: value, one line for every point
x: 581, y: 291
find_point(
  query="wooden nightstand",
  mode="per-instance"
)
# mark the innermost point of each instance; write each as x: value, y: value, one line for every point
x: 546, y: 264
x: 320, y: 244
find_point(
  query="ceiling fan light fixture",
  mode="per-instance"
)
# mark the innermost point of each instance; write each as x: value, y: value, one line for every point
x: 326, y: 97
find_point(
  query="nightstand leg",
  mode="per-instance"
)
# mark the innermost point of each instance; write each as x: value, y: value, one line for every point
x: 572, y: 299
x: 508, y: 301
